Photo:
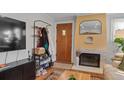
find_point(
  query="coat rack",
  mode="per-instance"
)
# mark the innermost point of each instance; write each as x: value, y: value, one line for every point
x: 47, y: 24
x: 35, y: 21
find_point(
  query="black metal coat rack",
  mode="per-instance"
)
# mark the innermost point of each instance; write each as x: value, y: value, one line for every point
x: 35, y: 21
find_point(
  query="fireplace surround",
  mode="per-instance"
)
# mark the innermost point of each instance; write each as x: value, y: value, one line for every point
x: 95, y: 69
x: 89, y: 59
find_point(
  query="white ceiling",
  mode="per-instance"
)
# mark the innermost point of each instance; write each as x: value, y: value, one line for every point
x: 63, y: 16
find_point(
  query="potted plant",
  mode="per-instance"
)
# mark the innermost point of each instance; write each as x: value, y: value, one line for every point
x: 120, y: 43
x: 71, y: 77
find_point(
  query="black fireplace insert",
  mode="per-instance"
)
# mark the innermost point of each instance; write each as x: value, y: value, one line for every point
x: 89, y: 59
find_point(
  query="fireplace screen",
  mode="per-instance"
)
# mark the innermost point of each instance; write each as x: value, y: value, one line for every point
x: 88, y: 59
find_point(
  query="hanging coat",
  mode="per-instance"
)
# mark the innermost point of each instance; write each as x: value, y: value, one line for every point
x: 44, y: 40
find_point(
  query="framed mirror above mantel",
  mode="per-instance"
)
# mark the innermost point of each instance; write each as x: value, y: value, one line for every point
x: 90, y: 27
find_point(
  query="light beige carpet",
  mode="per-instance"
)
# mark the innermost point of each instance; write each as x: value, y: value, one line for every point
x: 58, y: 73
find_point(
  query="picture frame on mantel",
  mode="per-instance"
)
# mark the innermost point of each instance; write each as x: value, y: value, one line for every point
x: 89, y: 27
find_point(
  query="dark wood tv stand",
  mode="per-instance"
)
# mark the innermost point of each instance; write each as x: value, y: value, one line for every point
x: 20, y: 70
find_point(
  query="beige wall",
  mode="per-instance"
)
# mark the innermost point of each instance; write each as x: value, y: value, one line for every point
x: 99, y: 40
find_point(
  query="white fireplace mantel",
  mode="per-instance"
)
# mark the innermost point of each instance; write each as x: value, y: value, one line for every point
x: 91, y: 69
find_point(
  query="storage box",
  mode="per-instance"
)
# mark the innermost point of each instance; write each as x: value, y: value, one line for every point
x: 39, y: 51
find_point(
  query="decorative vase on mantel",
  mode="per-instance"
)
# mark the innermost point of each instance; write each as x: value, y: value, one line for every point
x: 77, y: 53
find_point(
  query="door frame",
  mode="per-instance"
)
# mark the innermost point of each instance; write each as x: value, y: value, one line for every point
x: 73, y: 32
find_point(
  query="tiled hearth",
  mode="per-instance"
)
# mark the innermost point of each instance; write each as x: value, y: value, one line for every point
x: 95, y: 69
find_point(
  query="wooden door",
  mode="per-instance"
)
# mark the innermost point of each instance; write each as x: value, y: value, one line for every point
x: 64, y: 42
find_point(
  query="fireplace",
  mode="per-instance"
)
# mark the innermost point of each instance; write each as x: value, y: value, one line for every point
x: 89, y: 59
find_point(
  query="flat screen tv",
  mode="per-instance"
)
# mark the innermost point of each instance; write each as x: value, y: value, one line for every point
x: 12, y: 34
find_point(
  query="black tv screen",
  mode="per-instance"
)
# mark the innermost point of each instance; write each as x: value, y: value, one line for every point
x: 12, y: 34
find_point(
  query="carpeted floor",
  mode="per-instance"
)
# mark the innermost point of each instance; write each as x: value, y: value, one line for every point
x: 58, y: 72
